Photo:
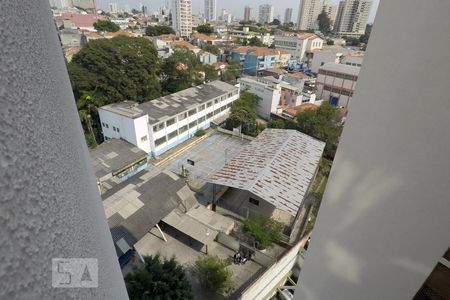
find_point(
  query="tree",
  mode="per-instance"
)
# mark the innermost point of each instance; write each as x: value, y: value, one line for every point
x: 213, y: 274
x: 86, y: 109
x: 158, y: 30
x: 365, y: 38
x: 330, y: 42
x: 276, y: 22
x: 324, y: 124
x: 106, y: 25
x: 231, y: 72
x: 114, y: 70
x: 265, y: 230
x: 324, y: 23
x: 212, y: 49
x: 205, y: 28
x: 181, y: 71
x: 276, y: 124
x: 158, y: 279
x: 255, y: 41
x: 243, y: 114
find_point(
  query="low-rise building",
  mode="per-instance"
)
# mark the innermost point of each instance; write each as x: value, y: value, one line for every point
x: 336, y: 55
x: 336, y: 83
x: 269, y: 93
x: 206, y: 57
x: 245, y: 35
x: 298, y: 45
x: 187, y: 45
x: 256, y: 59
x: 115, y: 161
x: 161, y: 124
x: 272, y: 175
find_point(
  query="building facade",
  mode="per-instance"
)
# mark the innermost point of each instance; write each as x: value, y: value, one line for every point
x: 161, y: 124
x: 336, y: 83
x: 210, y: 10
x: 352, y: 17
x: 256, y: 59
x: 265, y: 13
x: 247, y: 13
x: 308, y: 12
x: 268, y: 92
x: 288, y: 15
x: 182, y: 17
x: 113, y: 8
x: 331, y: 11
x: 298, y: 45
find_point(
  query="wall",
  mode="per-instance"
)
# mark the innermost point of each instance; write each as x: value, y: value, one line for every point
x: 384, y: 219
x: 50, y: 205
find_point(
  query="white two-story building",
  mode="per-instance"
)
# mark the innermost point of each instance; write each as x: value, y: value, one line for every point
x: 298, y: 45
x: 161, y: 124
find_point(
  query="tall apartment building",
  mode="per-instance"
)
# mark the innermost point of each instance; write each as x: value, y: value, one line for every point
x: 247, y: 13
x: 288, y: 15
x: 182, y: 16
x: 265, y: 13
x: 352, y: 17
x: 383, y: 225
x: 210, y: 10
x: 330, y: 10
x: 309, y: 10
x: 86, y: 4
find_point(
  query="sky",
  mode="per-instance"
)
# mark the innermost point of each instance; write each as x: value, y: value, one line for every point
x: 235, y: 7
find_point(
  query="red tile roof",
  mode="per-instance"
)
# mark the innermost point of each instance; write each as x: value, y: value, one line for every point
x: 185, y: 44
x: 80, y: 20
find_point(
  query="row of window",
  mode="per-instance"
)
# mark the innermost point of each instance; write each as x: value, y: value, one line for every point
x: 191, y: 112
x: 191, y: 125
x: 338, y: 75
x: 107, y: 126
x: 340, y: 91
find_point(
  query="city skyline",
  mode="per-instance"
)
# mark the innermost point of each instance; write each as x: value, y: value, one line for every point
x: 235, y: 7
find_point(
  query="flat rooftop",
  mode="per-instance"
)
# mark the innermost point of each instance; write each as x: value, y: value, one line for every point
x: 341, y: 68
x: 168, y: 106
x: 114, y: 155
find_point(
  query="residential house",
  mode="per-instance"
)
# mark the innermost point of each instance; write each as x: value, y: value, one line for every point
x: 245, y: 35
x: 207, y: 58
x: 298, y: 45
x: 187, y: 45
x: 255, y: 59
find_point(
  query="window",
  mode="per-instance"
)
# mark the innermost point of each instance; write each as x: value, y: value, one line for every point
x: 210, y: 115
x: 192, y: 112
x: 216, y: 101
x: 114, y: 128
x: 217, y: 111
x: 230, y: 95
x: 117, y: 129
x: 106, y: 125
x: 170, y: 122
x: 228, y: 105
x: 158, y: 127
x: 209, y: 104
x: 253, y: 201
x: 103, y: 124
x: 144, y: 139
x: 201, y: 107
x: 182, y: 116
x: 172, y: 135
x: 160, y: 141
x: 193, y: 124
x: 183, y: 129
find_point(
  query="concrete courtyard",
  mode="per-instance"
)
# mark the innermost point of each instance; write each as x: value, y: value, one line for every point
x: 179, y: 246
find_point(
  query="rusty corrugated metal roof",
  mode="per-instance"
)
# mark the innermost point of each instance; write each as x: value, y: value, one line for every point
x: 278, y: 166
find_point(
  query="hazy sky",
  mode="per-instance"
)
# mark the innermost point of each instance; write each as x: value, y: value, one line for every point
x: 236, y: 7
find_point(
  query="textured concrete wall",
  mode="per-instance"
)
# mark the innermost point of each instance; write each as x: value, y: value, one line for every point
x: 49, y: 203
x: 384, y: 220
